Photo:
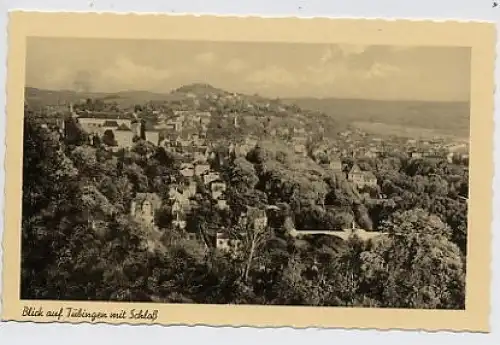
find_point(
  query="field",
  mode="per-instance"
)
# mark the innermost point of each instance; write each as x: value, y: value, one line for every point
x: 392, y: 117
x: 385, y: 129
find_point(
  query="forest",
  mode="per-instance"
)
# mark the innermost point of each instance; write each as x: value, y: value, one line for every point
x: 80, y: 243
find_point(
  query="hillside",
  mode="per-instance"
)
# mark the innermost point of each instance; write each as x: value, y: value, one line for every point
x: 42, y: 97
x: 448, y: 118
x: 377, y: 117
x: 256, y: 114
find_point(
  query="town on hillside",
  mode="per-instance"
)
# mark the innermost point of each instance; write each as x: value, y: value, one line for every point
x: 263, y: 187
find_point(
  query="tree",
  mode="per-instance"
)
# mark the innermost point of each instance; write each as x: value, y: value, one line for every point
x: 52, y: 212
x: 108, y: 138
x: 74, y: 135
x: 414, y: 222
x: 257, y: 155
x: 363, y: 218
x: 423, y: 269
x: 143, y: 130
x: 253, y: 233
x: 242, y: 174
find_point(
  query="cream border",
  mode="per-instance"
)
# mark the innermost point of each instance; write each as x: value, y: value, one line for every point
x: 479, y: 36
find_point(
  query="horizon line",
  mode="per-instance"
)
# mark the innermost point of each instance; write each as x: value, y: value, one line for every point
x: 254, y: 94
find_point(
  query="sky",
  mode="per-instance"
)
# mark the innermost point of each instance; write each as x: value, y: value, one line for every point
x: 285, y: 70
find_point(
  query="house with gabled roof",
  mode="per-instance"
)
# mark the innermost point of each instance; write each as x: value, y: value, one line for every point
x: 335, y: 164
x: 361, y: 178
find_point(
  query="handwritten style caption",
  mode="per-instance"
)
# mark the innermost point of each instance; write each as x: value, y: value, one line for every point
x: 82, y: 314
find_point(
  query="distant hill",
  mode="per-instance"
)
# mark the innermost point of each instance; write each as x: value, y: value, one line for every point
x: 199, y: 89
x: 449, y: 118
x: 378, y: 117
x: 123, y: 98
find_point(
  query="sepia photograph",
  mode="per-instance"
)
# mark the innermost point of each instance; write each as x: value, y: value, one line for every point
x: 256, y: 173
x: 245, y: 173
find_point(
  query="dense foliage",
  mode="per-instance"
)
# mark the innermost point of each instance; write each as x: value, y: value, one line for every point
x: 79, y: 243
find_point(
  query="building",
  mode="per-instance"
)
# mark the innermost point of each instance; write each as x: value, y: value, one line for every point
x: 227, y: 243
x: 179, y: 202
x: 260, y: 219
x: 242, y: 150
x: 372, y: 153
x: 300, y: 140
x: 257, y: 217
x: 187, y: 170
x: 144, y: 206
x: 299, y: 131
x: 361, y: 178
x: 217, y: 188
x: 200, y: 169
x: 205, y: 121
x: 251, y: 142
x: 210, y: 177
x: 449, y: 157
x: 283, y: 131
x: 181, y: 196
x: 174, y: 124
x: 222, y: 204
x: 153, y: 136
x: 190, y: 189
x: 335, y: 165
x: 416, y: 154
x: 199, y: 158
x: 96, y: 120
x: 300, y: 149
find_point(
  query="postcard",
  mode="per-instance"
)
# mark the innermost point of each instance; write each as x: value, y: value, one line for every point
x: 246, y: 171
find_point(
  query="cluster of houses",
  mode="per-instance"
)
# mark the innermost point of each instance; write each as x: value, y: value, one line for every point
x: 361, y: 179
x: 185, y: 132
x: 145, y: 205
x: 451, y: 155
x: 182, y: 125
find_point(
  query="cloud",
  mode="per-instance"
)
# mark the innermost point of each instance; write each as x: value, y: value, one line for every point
x: 321, y: 75
x: 59, y: 78
x: 381, y: 70
x: 273, y: 76
x: 235, y: 66
x: 206, y: 58
x: 352, y: 49
x: 126, y: 74
x: 338, y: 52
x: 346, y: 64
x: 83, y: 81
